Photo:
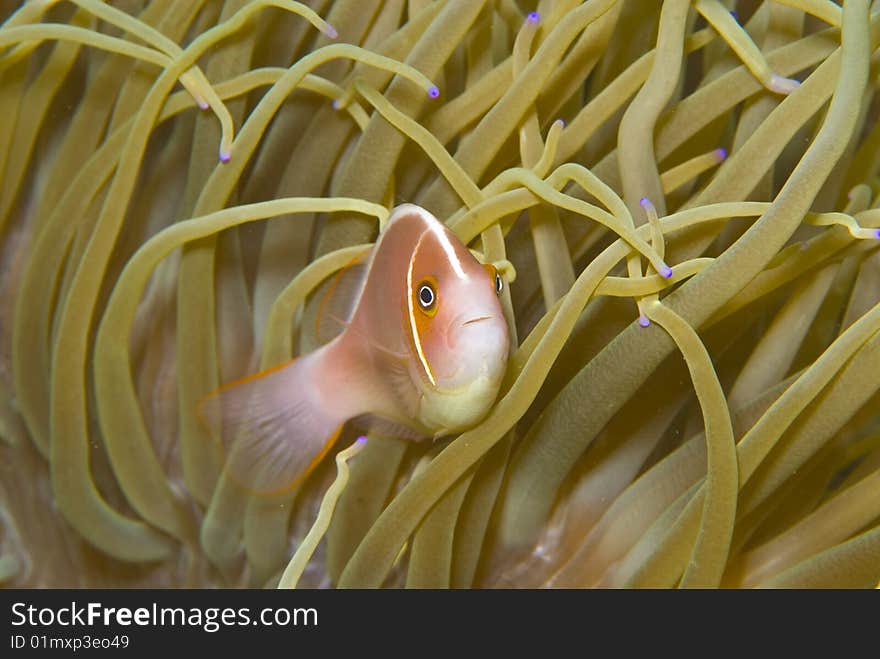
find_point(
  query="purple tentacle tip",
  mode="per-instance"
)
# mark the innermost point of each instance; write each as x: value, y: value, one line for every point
x: 225, y: 156
x: 877, y: 234
x: 203, y: 105
x: 666, y: 271
x: 331, y: 32
x: 643, y: 321
x: 336, y: 104
x: 735, y: 16
x: 533, y: 17
x: 561, y: 123
x: 361, y: 440
x: 433, y: 91
x: 722, y: 153
x: 644, y: 202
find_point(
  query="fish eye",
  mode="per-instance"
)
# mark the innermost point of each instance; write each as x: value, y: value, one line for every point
x: 427, y: 297
x: 499, y: 284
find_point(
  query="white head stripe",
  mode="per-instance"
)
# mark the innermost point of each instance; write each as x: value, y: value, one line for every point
x: 448, y: 249
x: 412, y: 318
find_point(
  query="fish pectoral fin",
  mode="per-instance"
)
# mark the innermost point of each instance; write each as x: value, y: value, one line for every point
x: 399, y: 357
x: 399, y: 385
x: 272, y: 434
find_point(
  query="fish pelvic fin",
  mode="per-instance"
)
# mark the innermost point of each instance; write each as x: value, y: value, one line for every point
x: 386, y: 427
x: 272, y: 427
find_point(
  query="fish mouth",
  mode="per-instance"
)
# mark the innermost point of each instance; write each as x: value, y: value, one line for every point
x: 476, y: 320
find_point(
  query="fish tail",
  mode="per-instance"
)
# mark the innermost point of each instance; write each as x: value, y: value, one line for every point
x: 273, y: 426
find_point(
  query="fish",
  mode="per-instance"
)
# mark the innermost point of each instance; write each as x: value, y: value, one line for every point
x: 422, y: 354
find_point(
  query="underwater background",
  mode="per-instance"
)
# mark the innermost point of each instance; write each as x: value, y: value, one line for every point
x: 719, y: 426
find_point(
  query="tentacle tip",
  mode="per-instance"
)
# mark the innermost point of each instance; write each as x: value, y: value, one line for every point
x: 337, y: 104
x: 877, y: 234
x: 331, y: 32
x: 560, y: 122
x: 721, y: 154
x: 361, y: 440
x: 203, y: 105
x: 735, y: 16
x: 666, y: 271
x: 782, y: 85
x: 534, y: 17
x: 644, y: 322
x: 433, y: 91
x: 225, y: 156
x: 644, y: 202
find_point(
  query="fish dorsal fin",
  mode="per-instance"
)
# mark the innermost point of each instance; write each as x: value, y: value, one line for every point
x: 339, y: 299
x: 273, y: 432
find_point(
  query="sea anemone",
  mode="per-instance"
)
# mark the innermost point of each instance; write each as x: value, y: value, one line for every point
x: 688, y: 191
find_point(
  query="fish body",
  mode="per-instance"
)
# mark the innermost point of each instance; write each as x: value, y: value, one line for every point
x: 422, y: 354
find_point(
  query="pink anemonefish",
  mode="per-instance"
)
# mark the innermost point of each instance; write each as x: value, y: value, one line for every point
x: 422, y: 354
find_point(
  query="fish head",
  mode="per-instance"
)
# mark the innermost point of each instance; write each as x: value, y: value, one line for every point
x: 459, y: 335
